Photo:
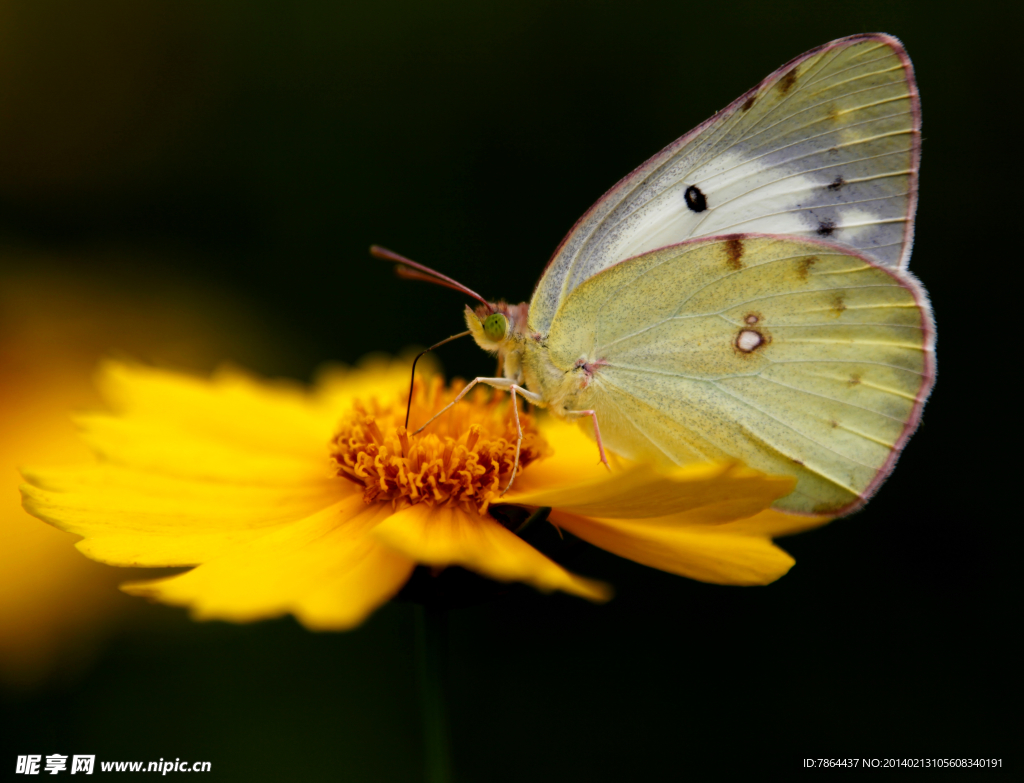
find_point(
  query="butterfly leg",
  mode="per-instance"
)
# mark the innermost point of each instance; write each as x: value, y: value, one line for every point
x: 597, y: 433
x: 497, y: 383
x: 531, y: 397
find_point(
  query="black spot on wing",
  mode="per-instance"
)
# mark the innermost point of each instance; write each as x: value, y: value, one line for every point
x: 826, y: 228
x: 695, y: 199
x: 836, y: 184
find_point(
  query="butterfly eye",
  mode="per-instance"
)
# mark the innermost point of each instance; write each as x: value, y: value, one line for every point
x: 495, y: 326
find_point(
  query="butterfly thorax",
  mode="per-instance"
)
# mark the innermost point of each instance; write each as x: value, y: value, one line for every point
x: 503, y: 329
x: 564, y: 389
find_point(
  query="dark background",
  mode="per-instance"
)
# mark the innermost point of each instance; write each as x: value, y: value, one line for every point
x: 259, y: 149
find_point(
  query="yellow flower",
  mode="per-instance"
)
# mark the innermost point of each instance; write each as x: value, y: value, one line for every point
x: 320, y: 504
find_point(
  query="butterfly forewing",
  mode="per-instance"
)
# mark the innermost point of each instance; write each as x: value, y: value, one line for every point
x: 827, y: 146
x: 796, y: 356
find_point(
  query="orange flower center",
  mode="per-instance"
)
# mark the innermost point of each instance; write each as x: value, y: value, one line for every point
x: 463, y: 457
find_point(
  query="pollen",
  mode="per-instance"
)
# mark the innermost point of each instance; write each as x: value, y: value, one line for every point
x: 464, y: 457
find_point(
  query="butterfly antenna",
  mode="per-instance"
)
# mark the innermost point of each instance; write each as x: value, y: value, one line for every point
x: 406, y: 273
x: 416, y: 271
x: 412, y: 380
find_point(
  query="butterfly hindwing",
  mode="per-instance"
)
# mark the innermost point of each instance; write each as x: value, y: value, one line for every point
x: 826, y: 147
x: 796, y: 356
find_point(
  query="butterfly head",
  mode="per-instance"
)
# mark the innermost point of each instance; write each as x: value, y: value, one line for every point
x: 493, y: 325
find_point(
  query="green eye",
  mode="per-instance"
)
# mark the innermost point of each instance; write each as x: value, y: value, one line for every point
x: 495, y: 326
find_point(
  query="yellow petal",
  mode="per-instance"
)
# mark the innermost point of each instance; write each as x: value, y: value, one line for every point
x: 575, y: 457
x: 135, y: 518
x: 446, y: 536
x: 707, y: 553
x: 162, y: 447
x: 230, y: 408
x: 231, y: 427
x: 707, y: 492
x: 324, y: 569
x: 774, y: 523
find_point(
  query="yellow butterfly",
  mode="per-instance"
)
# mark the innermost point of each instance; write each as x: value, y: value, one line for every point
x: 744, y: 294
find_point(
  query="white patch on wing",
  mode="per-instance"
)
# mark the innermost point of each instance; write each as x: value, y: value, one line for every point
x: 658, y: 223
x: 748, y: 340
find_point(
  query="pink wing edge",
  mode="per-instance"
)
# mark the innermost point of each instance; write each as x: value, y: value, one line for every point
x: 928, y: 374
x: 915, y: 152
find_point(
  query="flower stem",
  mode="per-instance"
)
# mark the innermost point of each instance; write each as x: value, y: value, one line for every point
x: 539, y: 515
x: 431, y: 644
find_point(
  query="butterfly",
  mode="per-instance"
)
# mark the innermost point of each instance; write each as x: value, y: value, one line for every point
x: 744, y: 294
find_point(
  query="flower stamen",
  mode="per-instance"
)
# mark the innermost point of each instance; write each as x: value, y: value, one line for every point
x: 465, y: 459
